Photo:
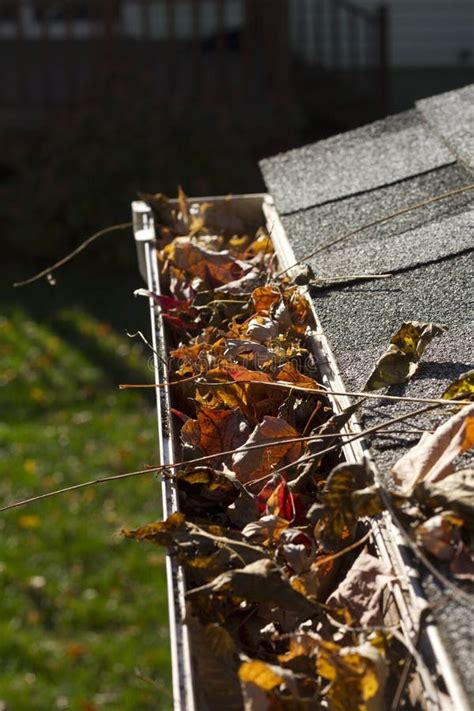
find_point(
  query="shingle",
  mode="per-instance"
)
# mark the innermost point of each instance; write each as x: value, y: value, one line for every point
x: 451, y: 115
x: 418, y: 237
x: 425, y: 234
x: 382, y: 153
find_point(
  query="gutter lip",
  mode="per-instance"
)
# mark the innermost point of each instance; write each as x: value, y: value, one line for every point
x: 406, y: 591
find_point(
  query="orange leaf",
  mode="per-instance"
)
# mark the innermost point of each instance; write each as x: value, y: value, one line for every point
x: 264, y: 297
x: 215, y: 431
x: 253, y: 464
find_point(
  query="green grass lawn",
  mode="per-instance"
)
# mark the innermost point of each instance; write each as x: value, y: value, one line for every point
x: 83, y: 622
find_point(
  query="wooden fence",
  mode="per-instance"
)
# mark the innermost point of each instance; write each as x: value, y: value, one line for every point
x: 228, y: 53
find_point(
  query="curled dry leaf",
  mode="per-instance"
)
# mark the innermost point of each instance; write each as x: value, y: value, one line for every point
x: 361, y: 590
x: 454, y: 493
x: 400, y: 360
x: 218, y: 684
x: 432, y: 458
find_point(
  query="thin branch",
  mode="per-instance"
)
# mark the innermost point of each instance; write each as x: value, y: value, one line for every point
x: 353, y: 438
x: 332, y: 556
x: 49, y: 270
x: 209, y: 457
x: 324, y: 391
x: 379, y: 221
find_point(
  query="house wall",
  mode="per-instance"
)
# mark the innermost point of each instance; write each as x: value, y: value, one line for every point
x: 430, y: 33
x: 423, y: 33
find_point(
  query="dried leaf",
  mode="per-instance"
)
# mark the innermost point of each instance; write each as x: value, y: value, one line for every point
x: 432, y: 458
x: 215, y: 431
x: 266, y: 530
x: 214, y: 268
x: 454, y: 493
x: 361, y: 590
x: 462, y: 388
x: 161, y: 532
x: 357, y: 676
x: 260, y: 581
x: 264, y: 297
x: 289, y: 374
x: 262, y: 329
x: 282, y: 502
x: 253, y: 464
x: 216, y: 669
x: 205, y: 490
x: 440, y: 535
x: 400, y: 360
x: 261, y: 674
x: 335, y: 518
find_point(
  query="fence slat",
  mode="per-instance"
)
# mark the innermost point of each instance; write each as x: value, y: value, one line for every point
x: 186, y: 45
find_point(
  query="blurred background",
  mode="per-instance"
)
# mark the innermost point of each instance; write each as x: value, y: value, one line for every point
x: 100, y: 99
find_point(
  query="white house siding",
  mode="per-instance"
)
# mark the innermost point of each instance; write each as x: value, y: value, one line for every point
x: 430, y: 33
x: 423, y: 33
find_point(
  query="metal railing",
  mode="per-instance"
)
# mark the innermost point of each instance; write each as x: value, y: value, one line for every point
x: 215, y: 52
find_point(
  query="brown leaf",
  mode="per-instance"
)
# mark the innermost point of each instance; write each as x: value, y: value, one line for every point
x: 262, y: 329
x: 214, y: 268
x: 260, y: 581
x: 249, y: 465
x: 264, y: 297
x: 432, y: 458
x: 266, y: 530
x: 400, y: 360
x: 206, y: 490
x: 215, y: 431
x: 454, y: 493
x: 289, y: 374
x: 440, y: 535
x: 361, y: 590
x: 335, y: 519
x: 215, y: 665
x: 161, y: 532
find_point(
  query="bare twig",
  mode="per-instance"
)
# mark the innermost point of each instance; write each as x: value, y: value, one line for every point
x: 310, y: 391
x: 49, y: 270
x: 379, y: 221
x: 209, y: 457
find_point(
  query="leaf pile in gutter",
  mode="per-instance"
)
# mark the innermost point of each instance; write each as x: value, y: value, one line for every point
x: 283, y: 607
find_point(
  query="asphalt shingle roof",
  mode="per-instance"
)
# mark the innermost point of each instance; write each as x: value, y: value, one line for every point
x: 367, y: 158
x: 332, y: 187
x: 451, y: 116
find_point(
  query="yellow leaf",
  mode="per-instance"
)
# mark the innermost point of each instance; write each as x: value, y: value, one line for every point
x: 462, y: 388
x: 260, y: 674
